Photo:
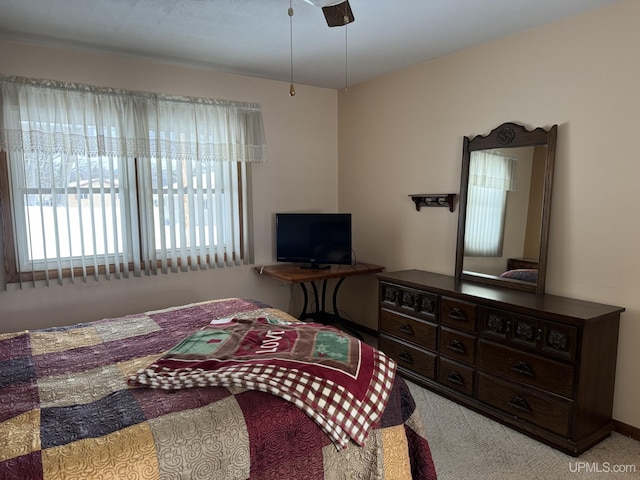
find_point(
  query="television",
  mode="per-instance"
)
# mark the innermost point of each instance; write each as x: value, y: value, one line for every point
x: 315, y: 240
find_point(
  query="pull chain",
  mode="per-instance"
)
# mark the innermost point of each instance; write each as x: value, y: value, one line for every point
x: 292, y: 88
x: 346, y: 58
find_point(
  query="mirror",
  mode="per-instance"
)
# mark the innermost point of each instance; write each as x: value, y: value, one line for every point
x: 505, y: 207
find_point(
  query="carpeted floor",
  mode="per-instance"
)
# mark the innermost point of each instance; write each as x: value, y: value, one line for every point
x: 467, y: 445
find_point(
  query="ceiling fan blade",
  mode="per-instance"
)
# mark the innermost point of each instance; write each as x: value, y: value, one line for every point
x: 335, y: 14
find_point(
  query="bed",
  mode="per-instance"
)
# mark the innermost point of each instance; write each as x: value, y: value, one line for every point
x: 102, y: 400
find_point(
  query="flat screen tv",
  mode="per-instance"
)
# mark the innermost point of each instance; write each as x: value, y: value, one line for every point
x: 314, y: 240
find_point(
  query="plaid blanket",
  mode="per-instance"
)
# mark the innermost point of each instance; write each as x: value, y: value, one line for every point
x: 67, y: 412
x: 340, y: 382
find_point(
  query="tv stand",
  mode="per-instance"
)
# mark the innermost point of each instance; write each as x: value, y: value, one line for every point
x: 292, y: 273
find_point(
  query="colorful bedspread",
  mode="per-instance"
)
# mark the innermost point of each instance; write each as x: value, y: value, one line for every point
x: 66, y: 411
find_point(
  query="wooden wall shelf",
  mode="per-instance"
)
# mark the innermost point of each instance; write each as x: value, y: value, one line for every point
x: 434, y: 200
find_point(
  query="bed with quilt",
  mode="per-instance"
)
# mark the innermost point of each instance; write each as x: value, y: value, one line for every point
x: 224, y: 389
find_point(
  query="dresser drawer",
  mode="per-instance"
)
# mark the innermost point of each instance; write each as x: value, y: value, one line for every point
x: 457, y: 345
x: 409, y: 301
x: 520, y: 330
x: 527, y: 368
x: 458, y: 314
x: 407, y: 328
x: 409, y: 357
x: 455, y: 375
x: 543, y: 410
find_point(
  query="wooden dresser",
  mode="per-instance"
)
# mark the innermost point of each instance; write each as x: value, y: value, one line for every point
x: 541, y: 364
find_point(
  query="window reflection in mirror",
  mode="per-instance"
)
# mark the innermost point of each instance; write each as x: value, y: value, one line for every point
x: 504, y: 212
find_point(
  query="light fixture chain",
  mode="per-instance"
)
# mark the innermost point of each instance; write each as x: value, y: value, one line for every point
x: 346, y: 55
x: 292, y: 89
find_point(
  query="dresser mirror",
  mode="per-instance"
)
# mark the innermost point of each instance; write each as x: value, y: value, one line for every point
x: 505, y: 207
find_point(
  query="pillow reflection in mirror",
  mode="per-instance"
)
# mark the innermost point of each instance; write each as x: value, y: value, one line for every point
x: 522, y: 274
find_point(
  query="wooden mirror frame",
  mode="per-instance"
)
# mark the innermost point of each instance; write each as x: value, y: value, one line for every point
x: 509, y: 135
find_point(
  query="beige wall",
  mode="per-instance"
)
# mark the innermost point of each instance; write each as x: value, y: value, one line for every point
x: 402, y: 134
x: 301, y: 174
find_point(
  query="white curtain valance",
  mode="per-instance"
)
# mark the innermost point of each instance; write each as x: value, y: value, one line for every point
x: 52, y: 117
x: 493, y: 170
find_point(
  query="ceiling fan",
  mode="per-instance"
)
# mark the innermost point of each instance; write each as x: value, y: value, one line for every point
x: 337, y: 13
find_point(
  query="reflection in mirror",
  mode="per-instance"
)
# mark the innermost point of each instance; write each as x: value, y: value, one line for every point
x: 504, y: 207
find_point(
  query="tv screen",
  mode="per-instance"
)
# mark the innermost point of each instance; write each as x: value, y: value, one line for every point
x: 313, y: 239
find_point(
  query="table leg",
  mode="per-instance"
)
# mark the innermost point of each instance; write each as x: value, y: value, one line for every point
x: 321, y: 315
x: 315, y: 297
x: 335, y: 296
x: 336, y: 313
x: 304, y: 313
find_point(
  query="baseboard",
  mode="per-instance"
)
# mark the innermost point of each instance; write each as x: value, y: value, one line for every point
x: 626, y: 430
x: 362, y: 328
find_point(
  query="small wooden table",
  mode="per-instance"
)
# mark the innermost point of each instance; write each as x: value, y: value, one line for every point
x: 293, y: 273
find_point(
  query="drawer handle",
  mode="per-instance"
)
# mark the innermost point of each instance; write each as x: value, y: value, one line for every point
x: 455, y: 377
x: 456, y: 346
x: 405, y: 357
x: 406, y: 328
x: 457, y: 314
x: 519, y: 403
x: 523, y: 368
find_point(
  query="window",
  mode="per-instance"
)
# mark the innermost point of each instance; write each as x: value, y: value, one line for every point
x: 491, y: 176
x: 101, y: 181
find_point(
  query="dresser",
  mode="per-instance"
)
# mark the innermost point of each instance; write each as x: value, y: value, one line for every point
x: 541, y: 364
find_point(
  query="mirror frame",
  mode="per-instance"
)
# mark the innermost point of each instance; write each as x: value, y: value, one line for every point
x: 509, y: 135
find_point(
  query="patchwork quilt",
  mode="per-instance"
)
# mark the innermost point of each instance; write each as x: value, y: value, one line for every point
x: 68, y: 410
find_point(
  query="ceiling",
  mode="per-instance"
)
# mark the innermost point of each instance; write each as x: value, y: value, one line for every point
x: 252, y: 37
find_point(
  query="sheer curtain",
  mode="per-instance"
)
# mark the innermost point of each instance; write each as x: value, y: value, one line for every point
x: 202, y: 147
x: 491, y: 176
x: 112, y: 181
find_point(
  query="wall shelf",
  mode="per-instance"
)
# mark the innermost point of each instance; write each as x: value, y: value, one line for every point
x: 434, y: 200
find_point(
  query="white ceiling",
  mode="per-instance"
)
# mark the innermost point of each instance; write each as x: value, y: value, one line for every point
x: 251, y: 37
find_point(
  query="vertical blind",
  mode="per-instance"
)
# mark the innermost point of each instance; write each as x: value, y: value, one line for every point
x: 491, y: 176
x: 113, y: 181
